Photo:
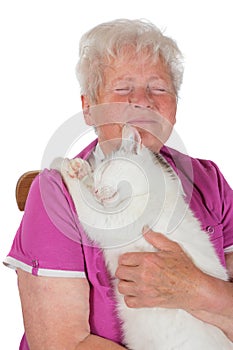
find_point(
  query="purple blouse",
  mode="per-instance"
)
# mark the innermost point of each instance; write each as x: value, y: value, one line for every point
x: 50, y: 240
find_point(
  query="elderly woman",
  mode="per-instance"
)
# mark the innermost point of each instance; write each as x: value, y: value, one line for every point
x: 65, y: 289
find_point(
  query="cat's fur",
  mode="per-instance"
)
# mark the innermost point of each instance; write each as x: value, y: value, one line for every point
x: 129, y: 189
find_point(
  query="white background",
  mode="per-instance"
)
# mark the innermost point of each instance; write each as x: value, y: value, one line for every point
x: 39, y: 91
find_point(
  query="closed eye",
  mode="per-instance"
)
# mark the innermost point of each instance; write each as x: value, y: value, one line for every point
x: 157, y: 90
x: 158, y: 87
x: 123, y: 91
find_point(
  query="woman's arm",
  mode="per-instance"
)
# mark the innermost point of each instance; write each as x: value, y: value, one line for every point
x: 229, y: 264
x: 218, y: 296
x: 170, y: 279
x: 56, y: 314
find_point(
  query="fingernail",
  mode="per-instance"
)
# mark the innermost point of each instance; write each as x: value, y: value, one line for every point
x: 145, y: 229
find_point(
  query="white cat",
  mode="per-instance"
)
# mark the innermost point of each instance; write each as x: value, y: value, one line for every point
x: 127, y: 190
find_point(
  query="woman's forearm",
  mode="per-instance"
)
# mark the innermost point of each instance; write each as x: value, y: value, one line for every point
x: 222, y: 322
x: 214, y: 304
x: 93, y: 342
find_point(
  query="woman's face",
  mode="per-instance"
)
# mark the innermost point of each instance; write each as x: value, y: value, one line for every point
x: 142, y: 83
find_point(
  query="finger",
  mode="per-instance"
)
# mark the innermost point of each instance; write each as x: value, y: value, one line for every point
x: 127, y: 288
x: 131, y: 301
x: 160, y: 241
x: 126, y: 273
x: 130, y: 259
x: 137, y: 302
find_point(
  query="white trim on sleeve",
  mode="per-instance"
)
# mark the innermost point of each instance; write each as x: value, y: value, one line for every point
x: 14, y: 264
x: 228, y: 249
x: 61, y: 273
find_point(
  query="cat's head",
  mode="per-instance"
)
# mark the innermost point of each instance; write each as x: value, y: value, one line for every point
x: 121, y: 176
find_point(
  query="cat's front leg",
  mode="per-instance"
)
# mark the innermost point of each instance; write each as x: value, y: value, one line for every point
x: 81, y: 170
x: 75, y: 169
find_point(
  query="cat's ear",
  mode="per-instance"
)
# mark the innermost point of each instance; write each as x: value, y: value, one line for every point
x: 131, y: 139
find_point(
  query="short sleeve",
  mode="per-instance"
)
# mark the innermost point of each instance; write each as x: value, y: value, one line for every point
x: 226, y: 195
x: 48, y: 241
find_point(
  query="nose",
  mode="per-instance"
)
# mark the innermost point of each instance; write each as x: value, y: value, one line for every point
x: 140, y: 97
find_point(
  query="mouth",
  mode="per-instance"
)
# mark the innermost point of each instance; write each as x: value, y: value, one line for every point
x: 145, y: 126
x: 142, y: 121
x: 157, y: 126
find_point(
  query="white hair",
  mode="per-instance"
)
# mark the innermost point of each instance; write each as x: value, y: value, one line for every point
x: 107, y: 41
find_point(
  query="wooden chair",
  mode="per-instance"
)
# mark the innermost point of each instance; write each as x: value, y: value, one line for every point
x: 23, y: 186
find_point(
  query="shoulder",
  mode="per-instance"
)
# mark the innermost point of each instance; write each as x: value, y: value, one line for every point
x: 47, y: 194
x: 49, y: 202
x: 198, y: 169
x: 203, y: 182
x: 48, y: 241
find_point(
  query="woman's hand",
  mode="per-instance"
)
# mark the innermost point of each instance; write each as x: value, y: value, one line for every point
x: 167, y: 278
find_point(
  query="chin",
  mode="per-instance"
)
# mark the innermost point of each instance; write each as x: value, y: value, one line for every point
x: 151, y: 142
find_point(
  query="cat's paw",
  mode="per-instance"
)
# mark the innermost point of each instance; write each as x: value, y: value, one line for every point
x: 78, y: 168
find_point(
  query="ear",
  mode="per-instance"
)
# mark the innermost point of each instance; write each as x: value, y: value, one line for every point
x: 86, y: 109
x: 131, y: 139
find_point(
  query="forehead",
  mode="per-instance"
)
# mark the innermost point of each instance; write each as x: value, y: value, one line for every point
x: 133, y: 66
